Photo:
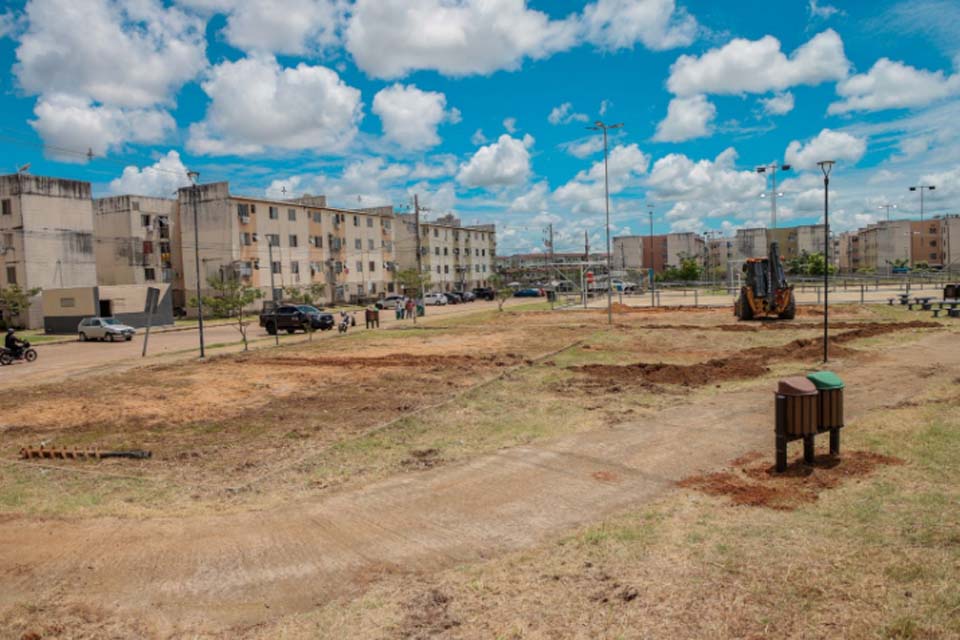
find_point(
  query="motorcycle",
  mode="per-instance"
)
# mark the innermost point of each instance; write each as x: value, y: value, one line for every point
x: 26, y: 353
x: 344, y: 323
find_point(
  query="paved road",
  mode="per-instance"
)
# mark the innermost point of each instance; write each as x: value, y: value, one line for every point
x: 209, y: 572
x: 64, y: 360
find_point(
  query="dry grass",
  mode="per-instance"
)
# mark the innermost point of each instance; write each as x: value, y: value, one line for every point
x: 873, y: 557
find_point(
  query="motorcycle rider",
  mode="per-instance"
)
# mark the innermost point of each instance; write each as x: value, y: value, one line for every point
x: 12, y: 344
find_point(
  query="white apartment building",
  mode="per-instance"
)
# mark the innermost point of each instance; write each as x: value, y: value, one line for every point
x: 457, y: 257
x: 134, y: 240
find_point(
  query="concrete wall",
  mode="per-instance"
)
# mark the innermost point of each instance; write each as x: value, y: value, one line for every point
x: 63, y: 309
x: 628, y: 252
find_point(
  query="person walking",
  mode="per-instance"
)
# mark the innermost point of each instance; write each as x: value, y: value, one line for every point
x: 399, y: 310
x: 410, y: 309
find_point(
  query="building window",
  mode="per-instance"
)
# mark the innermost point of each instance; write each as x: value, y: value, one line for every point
x: 295, y: 267
x: 245, y: 239
x: 358, y: 244
x: 933, y: 256
x: 68, y: 302
x: 293, y: 240
x: 385, y: 223
x: 359, y: 266
x: 356, y: 221
x: 7, y: 209
x: 372, y: 266
x: 477, y: 268
x: 144, y: 220
x: 243, y: 211
x: 483, y: 252
x: 149, y: 274
x: 446, y: 251
x: 438, y: 268
x: 11, y: 275
x: 147, y: 247
x: 370, y: 222
x: 436, y: 233
x: 933, y: 243
x: 316, y: 217
x: 275, y: 266
x: 370, y: 244
x: 318, y: 242
x: 7, y: 241
x: 446, y: 268
x: 273, y: 239
x: 484, y: 268
x: 292, y: 215
x: 274, y: 213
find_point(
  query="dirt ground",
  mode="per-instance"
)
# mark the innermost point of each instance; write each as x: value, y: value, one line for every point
x: 285, y: 480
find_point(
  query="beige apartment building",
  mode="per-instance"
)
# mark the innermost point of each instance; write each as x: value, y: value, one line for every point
x: 298, y: 243
x: 46, y: 235
x: 457, y: 257
x: 883, y: 243
x: 628, y: 253
x: 950, y: 240
x: 135, y: 240
x: 684, y: 245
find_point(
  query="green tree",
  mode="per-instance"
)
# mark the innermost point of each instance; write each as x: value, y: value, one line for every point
x: 310, y: 294
x: 230, y: 300
x: 13, y: 302
x: 899, y: 263
x: 815, y: 265
x: 501, y: 290
x: 413, y: 283
x: 688, y: 271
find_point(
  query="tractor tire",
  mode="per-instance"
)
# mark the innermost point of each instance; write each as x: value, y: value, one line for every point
x: 744, y: 310
x: 790, y: 311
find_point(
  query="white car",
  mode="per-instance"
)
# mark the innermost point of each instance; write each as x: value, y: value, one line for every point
x: 104, y: 329
x: 390, y: 302
x: 435, y: 299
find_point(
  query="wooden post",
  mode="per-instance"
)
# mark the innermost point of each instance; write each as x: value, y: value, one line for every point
x: 780, y: 438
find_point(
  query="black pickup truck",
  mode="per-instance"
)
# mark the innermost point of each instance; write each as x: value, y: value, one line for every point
x: 294, y: 317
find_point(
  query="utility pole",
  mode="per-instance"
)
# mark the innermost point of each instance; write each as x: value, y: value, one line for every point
x: 653, y: 279
x: 416, y: 222
x: 194, y: 177
x: 550, y: 245
x: 887, y: 207
x: 273, y: 292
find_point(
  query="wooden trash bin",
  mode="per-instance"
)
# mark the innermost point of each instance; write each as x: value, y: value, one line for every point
x: 830, y: 414
x: 797, y: 409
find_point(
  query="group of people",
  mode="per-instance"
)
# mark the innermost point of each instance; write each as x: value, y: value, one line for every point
x: 405, y: 308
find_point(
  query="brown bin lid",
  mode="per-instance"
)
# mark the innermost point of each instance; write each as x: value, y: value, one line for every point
x: 796, y: 386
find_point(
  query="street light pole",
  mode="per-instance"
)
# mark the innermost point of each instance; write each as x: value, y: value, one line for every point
x: 772, y: 169
x: 826, y: 166
x: 887, y: 207
x: 600, y: 126
x: 921, y: 188
x: 653, y: 280
x: 194, y: 177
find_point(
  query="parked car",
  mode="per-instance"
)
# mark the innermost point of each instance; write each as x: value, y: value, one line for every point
x: 467, y: 296
x: 291, y: 318
x: 435, y: 299
x: 485, y: 293
x: 390, y: 302
x: 104, y: 329
x: 453, y: 298
x: 529, y: 293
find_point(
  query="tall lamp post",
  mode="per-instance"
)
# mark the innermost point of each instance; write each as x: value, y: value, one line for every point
x: 600, y: 126
x: 772, y: 170
x: 887, y: 207
x: 194, y: 177
x: 921, y: 188
x: 826, y: 166
x: 653, y: 280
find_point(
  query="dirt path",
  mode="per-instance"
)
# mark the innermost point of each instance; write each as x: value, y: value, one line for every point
x: 216, y: 572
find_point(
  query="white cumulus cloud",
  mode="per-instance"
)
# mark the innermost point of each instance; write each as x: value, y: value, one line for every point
x: 564, y: 114
x: 297, y: 27
x: 410, y: 116
x: 585, y: 193
x: 256, y: 104
x: 390, y: 38
x: 828, y: 145
x: 129, y: 54
x: 893, y: 85
x: 161, y: 179
x: 778, y: 104
x: 503, y: 163
x: 71, y: 123
x: 759, y: 66
x: 657, y: 24
x: 687, y: 118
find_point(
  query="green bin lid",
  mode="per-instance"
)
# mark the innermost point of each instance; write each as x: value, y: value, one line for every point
x: 825, y: 380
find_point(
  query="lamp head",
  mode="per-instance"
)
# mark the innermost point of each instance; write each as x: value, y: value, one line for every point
x: 786, y: 167
x: 826, y: 166
x: 913, y: 188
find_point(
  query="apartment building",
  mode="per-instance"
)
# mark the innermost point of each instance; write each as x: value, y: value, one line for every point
x: 926, y: 242
x: 681, y: 246
x: 134, y: 240
x: 750, y: 243
x: 884, y: 243
x: 848, y: 252
x: 457, y: 257
x: 628, y: 253
x: 950, y: 240
x: 283, y: 243
x: 46, y: 235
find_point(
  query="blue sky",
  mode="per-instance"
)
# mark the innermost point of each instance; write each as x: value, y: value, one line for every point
x: 482, y: 107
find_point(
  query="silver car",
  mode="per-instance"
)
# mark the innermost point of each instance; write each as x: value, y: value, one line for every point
x: 104, y: 329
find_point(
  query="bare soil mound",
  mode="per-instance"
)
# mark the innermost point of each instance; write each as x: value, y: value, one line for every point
x: 752, y: 483
x: 749, y: 363
x: 386, y: 361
